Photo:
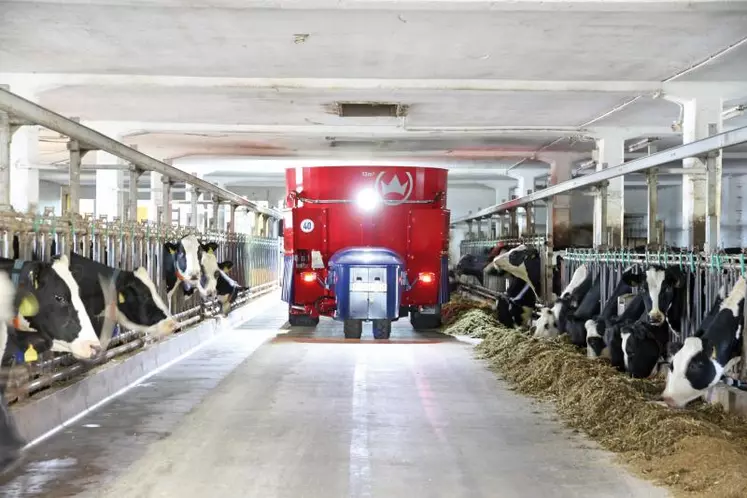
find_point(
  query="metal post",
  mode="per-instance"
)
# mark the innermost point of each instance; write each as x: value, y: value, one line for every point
x: 166, y: 212
x: 602, y: 217
x: 216, y: 207
x: 549, y: 252
x: 529, y: 209
x: 512, y: 228
x: 5, y: 137
x: 713, y: 178
x: 134, y: 176
x: 193, y: 207
x: 479, y: 230
x: 653, y: 201
x: 232, y: 222
x: 75, y: 157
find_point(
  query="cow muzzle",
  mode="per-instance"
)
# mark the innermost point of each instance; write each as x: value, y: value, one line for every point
x: 656, y: 317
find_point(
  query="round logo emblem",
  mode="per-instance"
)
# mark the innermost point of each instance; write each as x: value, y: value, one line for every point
x: 393, y: 189
x: 307, y: 226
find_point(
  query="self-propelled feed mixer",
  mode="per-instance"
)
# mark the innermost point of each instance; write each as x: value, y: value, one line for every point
x: 366, y: 243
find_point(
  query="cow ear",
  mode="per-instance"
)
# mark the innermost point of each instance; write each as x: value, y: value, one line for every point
x: 226, y: 265
x: 29, y: 306
x: 633, y: 279
x: 675, y: 276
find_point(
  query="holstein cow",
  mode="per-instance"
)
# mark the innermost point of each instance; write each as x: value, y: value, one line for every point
x: 215, y: 280
x: 181, y: 264
x: 11, y: 442
x: 701, y: 361
x: 139, y: 306
x: 475, y: 266
x: 523, y: 264
x: 552, y: 321
x: 59, y: 316
x: 644, y: 343
x: 603, y: 331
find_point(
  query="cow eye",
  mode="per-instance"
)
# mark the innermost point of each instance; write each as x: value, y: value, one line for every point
x: 59, y: 299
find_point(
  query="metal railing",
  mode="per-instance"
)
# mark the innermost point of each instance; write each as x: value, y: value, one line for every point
x: 126, y: 246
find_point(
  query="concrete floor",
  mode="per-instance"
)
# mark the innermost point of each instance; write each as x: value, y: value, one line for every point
x: 307, y: 415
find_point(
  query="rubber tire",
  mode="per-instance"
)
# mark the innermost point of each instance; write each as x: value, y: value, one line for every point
x: 303, y: 320
x: 382, y: 329
x: 353, y: 329
x: 425, y: 322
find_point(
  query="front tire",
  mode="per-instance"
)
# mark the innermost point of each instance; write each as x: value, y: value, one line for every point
x: 382, y: 329
x: 353, y: 329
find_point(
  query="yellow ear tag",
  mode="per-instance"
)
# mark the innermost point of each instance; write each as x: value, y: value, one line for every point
x: 30, y: 354
x: 29, y: 306
x: 172, y: 251
x: 121, y: 298
x: 210, y: 251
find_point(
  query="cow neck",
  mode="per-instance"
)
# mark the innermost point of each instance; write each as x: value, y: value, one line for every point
x: 523, y: 291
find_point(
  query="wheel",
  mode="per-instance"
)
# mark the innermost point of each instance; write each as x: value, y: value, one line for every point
x: 420, y: 321
x: 303, y: 320
x: 353, y: 329
x: 382, y: 329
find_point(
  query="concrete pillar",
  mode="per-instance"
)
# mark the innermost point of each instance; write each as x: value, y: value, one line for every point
x: 156, y: 197
x: 5, y: 136
x: 524, y: 185
x: 609, y: 229
x: 166, y: 207
x: 558, y: 211
x: 24, y: 152
x: 701, y: 193
x: 108, y: 196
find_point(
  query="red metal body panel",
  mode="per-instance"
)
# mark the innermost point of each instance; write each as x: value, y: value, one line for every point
x: 418, y: 232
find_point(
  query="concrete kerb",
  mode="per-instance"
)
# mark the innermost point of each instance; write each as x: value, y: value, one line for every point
x: 39, y: 418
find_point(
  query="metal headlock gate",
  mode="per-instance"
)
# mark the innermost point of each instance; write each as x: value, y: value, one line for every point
x: 126, y: 246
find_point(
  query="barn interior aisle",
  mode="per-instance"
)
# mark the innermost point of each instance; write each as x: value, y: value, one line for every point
x: 309, y: 414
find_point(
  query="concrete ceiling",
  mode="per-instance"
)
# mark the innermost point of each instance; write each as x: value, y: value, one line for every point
x: 488, y: 81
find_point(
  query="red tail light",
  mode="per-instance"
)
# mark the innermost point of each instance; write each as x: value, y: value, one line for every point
x: 427, y: 277
x: 308, y: 276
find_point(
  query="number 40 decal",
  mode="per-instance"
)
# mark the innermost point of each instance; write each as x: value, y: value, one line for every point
x: 307, y: 226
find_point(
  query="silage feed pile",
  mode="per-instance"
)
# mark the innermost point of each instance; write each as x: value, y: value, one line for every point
x: 473, y: 323
x: 697, y: 452
x: 458, y: 306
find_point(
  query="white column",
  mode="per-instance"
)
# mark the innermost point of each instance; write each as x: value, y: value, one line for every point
x: 156, y: 196
x: 702, y: 117
x: 24, y: 155
x: 525, y: 184
x: 108, y: 198
x: 610, y: 152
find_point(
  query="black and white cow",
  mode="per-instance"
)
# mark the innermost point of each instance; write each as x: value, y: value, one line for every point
x: 603, y: 331
x: 60, y: 316
x: 644, y: 343
x: 523, y: 265
x: 701, y: 361
x: 11, y: 442
x: 139, y: 306
x: 215, y: 280
x: 181, y: 265
x: 552, y: 321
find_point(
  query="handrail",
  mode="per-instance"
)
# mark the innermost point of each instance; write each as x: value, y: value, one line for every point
x: 693, y: 149
x: 17, y: 106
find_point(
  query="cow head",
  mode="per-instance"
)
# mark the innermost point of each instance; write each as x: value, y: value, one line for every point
x: 546, y: 326
x: 140, y: 307
x: 641, y: 349
x: 209, y: 264
x: 595, y: 343
x: 692, y: 371
x: 660, y: 285
x: 187, y: 255
x: 60, y: 314
x: 515, y: 262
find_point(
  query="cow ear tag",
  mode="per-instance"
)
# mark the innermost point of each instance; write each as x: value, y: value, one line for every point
x: 29, y: 306
x: 30, y: 354
x: 172, y: 251
x: 121, y: 298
